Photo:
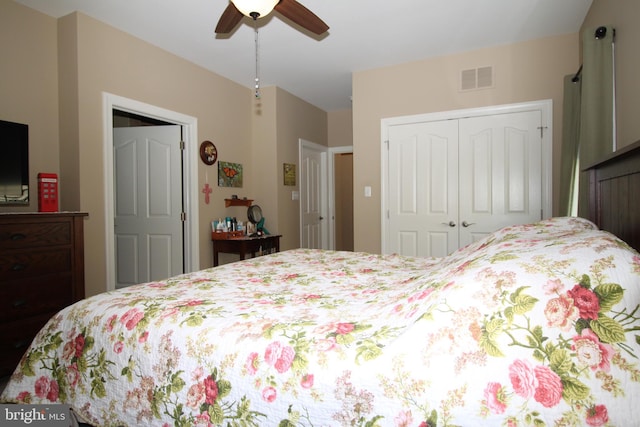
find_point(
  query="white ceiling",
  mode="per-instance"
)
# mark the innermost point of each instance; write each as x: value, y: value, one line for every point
x: 363, y: 34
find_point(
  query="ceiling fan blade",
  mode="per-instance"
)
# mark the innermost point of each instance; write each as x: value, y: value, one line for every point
x: 302, y: 16
x: 229, y: 19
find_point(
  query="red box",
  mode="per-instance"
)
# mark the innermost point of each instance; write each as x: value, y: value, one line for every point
x: 47, y: 192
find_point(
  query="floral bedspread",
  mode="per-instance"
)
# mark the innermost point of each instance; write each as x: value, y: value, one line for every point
x: 534, y: 325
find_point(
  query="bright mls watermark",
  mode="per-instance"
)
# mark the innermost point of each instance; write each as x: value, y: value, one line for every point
x: 35, y: 415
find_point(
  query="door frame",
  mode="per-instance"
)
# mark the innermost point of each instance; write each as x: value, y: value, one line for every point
x: 544, y: 106
x: 189, y: 176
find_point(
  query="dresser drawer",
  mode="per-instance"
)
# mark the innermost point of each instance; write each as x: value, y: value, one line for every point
x: 22, y: 265
x: 30, y: 234
x: 41, y: 272
x: 29, y: 297
x: 16, y: 337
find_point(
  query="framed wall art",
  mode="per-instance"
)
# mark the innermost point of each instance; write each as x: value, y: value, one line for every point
x: 229, y: 174
x: 289, y: 174
x: 208, y: 153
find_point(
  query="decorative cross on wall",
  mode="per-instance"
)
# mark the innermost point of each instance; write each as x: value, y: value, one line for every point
x: 207, y: 190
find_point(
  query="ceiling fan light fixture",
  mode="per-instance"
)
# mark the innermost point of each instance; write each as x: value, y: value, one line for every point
x: 251, y: 7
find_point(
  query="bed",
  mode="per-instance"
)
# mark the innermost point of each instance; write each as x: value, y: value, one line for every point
x: 614, y: 184
x: 535, y: 324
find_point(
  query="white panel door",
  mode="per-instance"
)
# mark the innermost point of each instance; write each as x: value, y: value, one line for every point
x: 500, y: 165
x: 148, y: 203
x: 423, y: 186
x: 313, y: 229
x: 452, y: 182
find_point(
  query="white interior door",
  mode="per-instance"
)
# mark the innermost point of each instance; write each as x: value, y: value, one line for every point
x: 313, y: 195
x: 500, y: 164
x: 148, y: 203
x: 422, y: 189
x: 451, y: 182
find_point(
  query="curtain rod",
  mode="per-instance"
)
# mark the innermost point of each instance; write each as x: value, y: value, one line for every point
x: 576, y: 77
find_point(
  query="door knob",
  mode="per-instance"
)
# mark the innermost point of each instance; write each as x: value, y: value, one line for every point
x: 450, y: 223
x: 467, y: 224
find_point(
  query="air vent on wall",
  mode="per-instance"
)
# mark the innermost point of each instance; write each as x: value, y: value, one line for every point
x: 476, y: 78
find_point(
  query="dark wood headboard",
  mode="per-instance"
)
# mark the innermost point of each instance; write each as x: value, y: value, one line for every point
x: 614, y: 194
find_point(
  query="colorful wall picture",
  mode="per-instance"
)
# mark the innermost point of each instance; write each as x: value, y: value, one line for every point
x: 289, y: 174
x: 229, y: 174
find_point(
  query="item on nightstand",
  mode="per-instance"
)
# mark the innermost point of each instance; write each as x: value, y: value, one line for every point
x: 254, y: 213
x: 250, y: 229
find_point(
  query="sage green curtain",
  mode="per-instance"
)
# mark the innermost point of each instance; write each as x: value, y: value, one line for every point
x: 570, y: 144
x: 597, y: 105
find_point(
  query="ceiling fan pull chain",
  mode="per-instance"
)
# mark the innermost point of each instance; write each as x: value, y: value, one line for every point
x: 257, y: 81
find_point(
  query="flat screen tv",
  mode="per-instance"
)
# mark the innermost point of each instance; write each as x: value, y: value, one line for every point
x: 14, y: 163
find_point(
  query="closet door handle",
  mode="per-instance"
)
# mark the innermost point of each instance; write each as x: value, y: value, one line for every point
x: 450, y: 223
x: 467, y: 224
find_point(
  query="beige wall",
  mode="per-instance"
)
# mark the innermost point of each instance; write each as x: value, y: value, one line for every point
x: 523, y: 72
x: 296, y: 119
x: 279, y: 121
x: 623, y: 16
x: 107, y: 60
x: 340, y: 128
x: 70, y: 62
x: 28, y: 87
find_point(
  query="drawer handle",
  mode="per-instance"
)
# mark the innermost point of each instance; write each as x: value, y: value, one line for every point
x: 18, y: 236
x: 19, y: 267
x: 19, y: 303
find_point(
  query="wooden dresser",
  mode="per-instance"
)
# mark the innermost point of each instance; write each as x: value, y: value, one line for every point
x: 41, y: 272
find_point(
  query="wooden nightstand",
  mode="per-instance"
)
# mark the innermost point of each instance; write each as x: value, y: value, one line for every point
x: 242, y: 246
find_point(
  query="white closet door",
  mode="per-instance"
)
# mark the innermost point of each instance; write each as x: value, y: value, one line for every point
x: 500, y: 164
x: 452, y: 182
x: 423, y: 185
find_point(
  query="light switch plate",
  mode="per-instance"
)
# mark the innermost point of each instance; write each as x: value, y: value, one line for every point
x: 367, y: 191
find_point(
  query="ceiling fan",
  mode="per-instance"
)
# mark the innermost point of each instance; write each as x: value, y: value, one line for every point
x: 255, y: 9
